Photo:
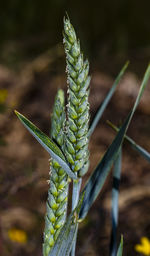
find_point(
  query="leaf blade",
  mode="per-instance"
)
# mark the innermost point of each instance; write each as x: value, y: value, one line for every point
x: 97, y: 179
x: 106, y: 100
x: 114, y: 207
x: 120, y: 249
x: 47, y: 143
x: 137, y: 147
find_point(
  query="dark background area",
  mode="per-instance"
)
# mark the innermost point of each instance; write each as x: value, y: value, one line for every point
x: 119, y: 29
x: 32, y: 68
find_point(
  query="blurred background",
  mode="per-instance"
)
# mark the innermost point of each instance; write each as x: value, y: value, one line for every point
x: 32, y: 68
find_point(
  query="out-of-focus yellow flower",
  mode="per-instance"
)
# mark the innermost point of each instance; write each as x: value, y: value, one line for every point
x: 3, y: 95
x: 17, y: 235
x: 144, y: 247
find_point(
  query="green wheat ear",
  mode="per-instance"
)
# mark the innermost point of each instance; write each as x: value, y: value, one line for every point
x: 58, y: 191
x: 76, y: 139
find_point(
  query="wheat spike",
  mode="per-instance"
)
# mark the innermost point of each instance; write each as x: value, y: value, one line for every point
x: 58, y: 191
x: 76, y: 139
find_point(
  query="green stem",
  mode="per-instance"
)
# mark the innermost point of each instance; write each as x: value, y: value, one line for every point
x: 75, y: 199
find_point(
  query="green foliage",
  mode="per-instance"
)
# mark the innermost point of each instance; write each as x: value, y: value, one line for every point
x: 47, y: 143
x: 68, y: 147
x: 134, y: 145
x: 106, y: 100
x: 114, y: 207
x: 97, y: 179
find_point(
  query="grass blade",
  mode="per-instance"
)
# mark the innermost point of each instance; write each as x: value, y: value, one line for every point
x: 115, y: 195
x: 120, y: 249
x: 97, y: 179
x: 47, y: 143
x: 141, y: 150
x: 64, y: 242
x: 106, y: 100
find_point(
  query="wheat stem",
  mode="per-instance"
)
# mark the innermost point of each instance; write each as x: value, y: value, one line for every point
x: 75, y: 199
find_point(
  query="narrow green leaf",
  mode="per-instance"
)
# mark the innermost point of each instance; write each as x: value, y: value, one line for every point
x: 47, y: 143
x: 97, y: 179
x: 142, y: 87
x: 115, y: 196
x: 64, y: 242
x: 120, y: 249
x: 106, y: 100
x: 141, y: 150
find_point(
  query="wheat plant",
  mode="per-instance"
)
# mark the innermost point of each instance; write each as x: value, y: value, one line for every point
x: 68, y: 148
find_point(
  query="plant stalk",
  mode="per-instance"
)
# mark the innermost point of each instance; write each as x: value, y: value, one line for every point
x: 75, y: 199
